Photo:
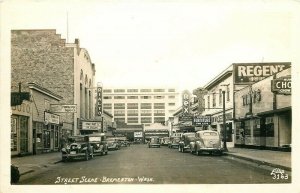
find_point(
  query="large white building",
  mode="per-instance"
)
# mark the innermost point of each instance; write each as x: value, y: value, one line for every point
x: 140, y: 105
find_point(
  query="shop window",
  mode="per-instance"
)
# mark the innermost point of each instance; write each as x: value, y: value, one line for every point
x: 247, y: 128
x: 14, y: 139
x: 46, y: 139
x: 56, y: 136
x: 257, y: 128
x: 23, y: 134
x: 269, y: 127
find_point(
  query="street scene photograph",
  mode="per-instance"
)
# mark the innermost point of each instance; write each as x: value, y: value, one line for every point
x: 154, y: 95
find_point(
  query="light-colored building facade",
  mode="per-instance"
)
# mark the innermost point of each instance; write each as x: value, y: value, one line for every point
x: 263, y: 116
x: 140, y: 105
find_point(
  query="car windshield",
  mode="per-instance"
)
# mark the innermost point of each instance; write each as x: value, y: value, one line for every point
x: 155, y: 140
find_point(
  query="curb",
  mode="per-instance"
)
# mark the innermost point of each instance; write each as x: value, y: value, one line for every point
x: 260, y: 162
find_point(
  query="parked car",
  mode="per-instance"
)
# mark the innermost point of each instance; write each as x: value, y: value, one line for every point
x: 174, y: 142
x: 185, y: 139
x: 165, y: 141
x: 207, y: 141
x: 112, y: 144
x: 154, y: 142
x: 98, y: 143
x: 77, y: 147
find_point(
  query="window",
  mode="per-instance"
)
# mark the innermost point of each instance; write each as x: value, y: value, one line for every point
x: 171, y: 97
x: 159, y: 119
x: 132, y: 120
x: 132, y: 90
x: 132, y: 105
x: 132, y: 112
x: 107, y: 105
x: 119, y: 106
x: 119, y: 90
x: 159, y: 97
x: 171, y: 90
x: 107, y: 91
x: 214, y: 99
x: 120, y: 120
x: 145, y: 90
x: 159, y: 112
x: 119, y: 97
x: 171, y: 104
x: 146, y: 106
x: 220, y: 96
x: 208, y: 101
x: 107, y: 97
x: 146, y: 112
x: 119, y: 112
x: 159, y: 90
x: 47, y: 104
x: 146, y: 119
x: 145, y: 97
x: 228, y: 94
x: 132, y: 97
x: 159, y: 105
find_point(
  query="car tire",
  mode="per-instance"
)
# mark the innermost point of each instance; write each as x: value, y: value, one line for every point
x: 64, y: 159
x: 106, y: 152
x: 198, y: 152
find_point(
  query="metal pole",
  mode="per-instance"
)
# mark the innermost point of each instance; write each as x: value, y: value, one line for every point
x: 102, y: 125
x: 224, y: 124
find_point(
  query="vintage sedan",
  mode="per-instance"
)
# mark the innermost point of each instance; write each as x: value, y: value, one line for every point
x: 77, y: 147
x: 174, y: 142
x: 112, y: 144
x: 154, y: 142
x: 206, y: 141
x: 97, y: 141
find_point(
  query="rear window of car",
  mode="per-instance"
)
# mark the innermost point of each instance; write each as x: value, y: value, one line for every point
x: 209, y: 134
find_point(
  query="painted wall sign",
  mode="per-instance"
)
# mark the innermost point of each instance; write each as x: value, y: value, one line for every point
x: 89, y: 125
x: 249, y: 73
x: 57, y: 108
x: 282, y: 85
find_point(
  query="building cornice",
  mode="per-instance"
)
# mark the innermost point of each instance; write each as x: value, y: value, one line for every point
x: 43, y: 90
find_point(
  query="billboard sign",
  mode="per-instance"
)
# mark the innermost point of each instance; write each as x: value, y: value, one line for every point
x: 89, y: 125
x: 138, y: 134
x: 249, y: 73
x: 57, y: 108
x: 282, y: 85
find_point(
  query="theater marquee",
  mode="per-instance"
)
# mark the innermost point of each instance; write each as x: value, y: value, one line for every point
x: 249, y: 73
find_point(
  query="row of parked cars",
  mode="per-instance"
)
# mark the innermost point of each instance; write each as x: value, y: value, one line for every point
x: 88, y: 146
x: 199, y: 142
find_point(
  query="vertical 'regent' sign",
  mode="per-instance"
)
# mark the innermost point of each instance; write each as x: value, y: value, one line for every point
x: 99, y: 100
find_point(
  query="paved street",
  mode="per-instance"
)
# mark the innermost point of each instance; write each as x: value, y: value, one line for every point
x: 139, y: 164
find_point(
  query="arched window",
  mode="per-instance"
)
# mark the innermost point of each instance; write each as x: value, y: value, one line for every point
x: 86, y: 80
x: 90, y: 83
x: 81, y: 74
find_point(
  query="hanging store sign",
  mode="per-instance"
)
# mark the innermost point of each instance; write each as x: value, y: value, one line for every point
x: 282, y: 85
x: 201, y: 120
x: 185, y: 103
x: 89, y: 125
x: 185, y: 118
x: 99, y: 101
x: 51, y: 118
x: 249, y: 73
x: 57, y: 108
x: 16, y: 98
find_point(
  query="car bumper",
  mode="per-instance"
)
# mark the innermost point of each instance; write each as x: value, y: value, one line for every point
x: 211, y: 149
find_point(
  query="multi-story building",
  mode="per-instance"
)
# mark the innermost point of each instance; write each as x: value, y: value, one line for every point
x: 140, y: 105
x: 43, y: 57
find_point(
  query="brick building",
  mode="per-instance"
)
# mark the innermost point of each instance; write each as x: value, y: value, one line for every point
x: 43, y: 57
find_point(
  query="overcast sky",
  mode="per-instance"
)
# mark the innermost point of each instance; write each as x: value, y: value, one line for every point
x: 164, y: 43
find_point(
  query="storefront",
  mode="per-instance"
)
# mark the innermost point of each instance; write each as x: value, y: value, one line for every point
x: 21, y: 131
x: 264, y: 116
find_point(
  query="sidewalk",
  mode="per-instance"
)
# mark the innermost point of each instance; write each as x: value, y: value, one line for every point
x: 31, y: 163
x: 276, y: 159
